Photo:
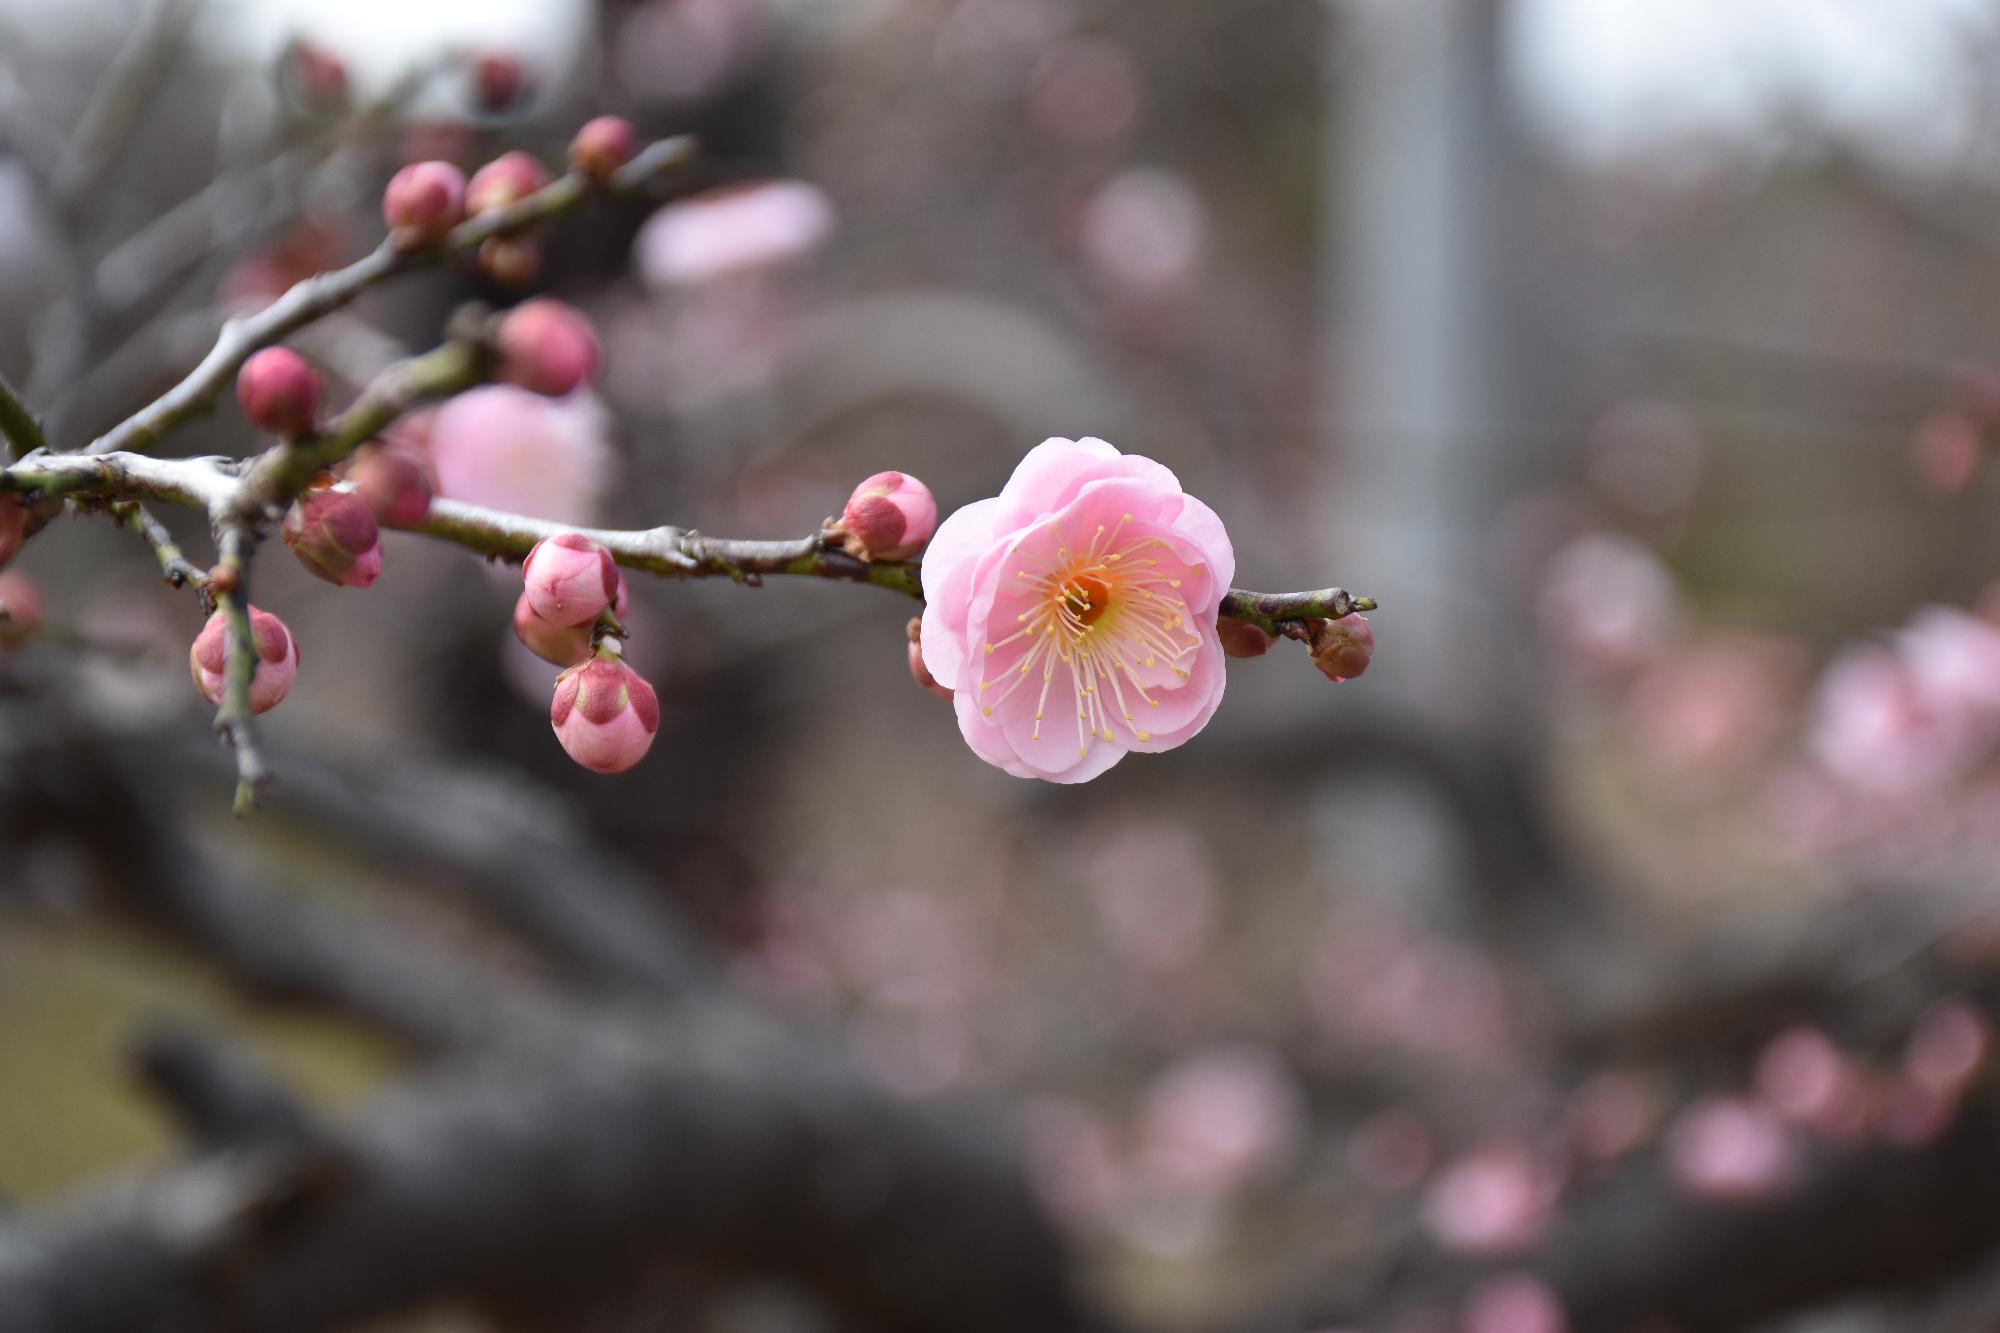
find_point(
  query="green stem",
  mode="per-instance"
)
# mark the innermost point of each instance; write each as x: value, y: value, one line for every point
x: 18, y: 425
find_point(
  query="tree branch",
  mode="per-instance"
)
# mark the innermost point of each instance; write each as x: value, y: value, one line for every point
x: 324, y: 293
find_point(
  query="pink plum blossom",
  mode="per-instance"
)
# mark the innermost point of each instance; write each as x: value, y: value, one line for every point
x: 277, y: 659
x: 604, y: 713
x: 1089, y: 586
x: 1514, y: 1303
x: 1218, y: 1120
x: 510, y: 449
x: 1729, y: 1149
x: 731, y: 231
x: 570, y: 579
x: 335, y: 536
x: 889, y: 517
x: 1876, y: 727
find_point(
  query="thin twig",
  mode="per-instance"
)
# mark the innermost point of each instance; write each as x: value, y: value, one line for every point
x: 180, y: 572
x: 232, y: 717
x: 121, y: 97
x: 322, y: 294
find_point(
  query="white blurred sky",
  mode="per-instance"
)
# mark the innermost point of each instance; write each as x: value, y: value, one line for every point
x: 1901, y: 79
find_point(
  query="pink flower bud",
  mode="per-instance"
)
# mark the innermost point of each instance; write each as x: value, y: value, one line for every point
x: 334, y: 535
x: 570, y: 579
x: 511, y: 261
x: 604, y: 713
x: 1240, y: 638
x: 395, y: 483
x: 602, y: 146
x: 278, y: 391
x: 498, y: 81
x: 319, y: 77
x: 889, y: 517
x: 918, y: 671
x: 13, y: 527
x: 564, y: 645
x: 1341, y: 648
x: 424, y: 201
x: 277, y: 659
x: 548, y: 347
x: 506, y: 179
x: 20, y: 606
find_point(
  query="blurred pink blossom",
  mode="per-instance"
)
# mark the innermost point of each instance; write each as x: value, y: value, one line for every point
x: 734, y: 230
x: 1722, y: 699
x: 1947, y: 450
x: 510, y: 449
x: 1954, y: 658
x: 1812, y: 1083
x: 1612, y: 1113
x: 1514, y: 1303
x: 1948, y: 1047
x: 1145, y: 231
x: 1392, y: 1150
x: 1730, y: 1149
x: 1495, y: 1200
x: 1074, y: 1159
x: 687, y: 49
x: 1154, y: 889
x: 1877, y: 728
x: 1608, y: 603
x: 1217, y: 1121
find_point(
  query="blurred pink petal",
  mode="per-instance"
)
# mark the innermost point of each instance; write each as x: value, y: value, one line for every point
x: 734, y: 230
x: 510, y: 449
x: 1218, y: 1120
x: 1730, y: 1149
x: 1496, y: 1200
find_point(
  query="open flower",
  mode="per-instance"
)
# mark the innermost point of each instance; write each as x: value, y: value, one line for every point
x: 1073, y: 615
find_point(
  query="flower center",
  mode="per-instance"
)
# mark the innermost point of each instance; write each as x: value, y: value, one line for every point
x: 1104, y: 619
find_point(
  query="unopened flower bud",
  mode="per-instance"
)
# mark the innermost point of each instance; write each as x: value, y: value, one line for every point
x: 394, y: 481
x: 547, y: 346
x: 602, y: 146
x: 1240, y: 638
x: 890, y: 516
x: 511, y: 261
x: 506, y: 179
x: 564, y: 645
x: 278, y: 391
x: 13, y: 527
x: 318, y: 77
x: 334, y: 535
x: 499, y: 80
x: 20, y: 606
x: 604, y: 713
x: 1341, y: 648
x: 570, y: 579
x: 918, y: 671
x: 277, y: 659
x: 424, y: 201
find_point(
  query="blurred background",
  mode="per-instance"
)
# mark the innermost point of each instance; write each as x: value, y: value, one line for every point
x: 1619, y: 952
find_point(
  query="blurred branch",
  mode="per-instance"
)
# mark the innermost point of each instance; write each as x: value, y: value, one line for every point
x: 122, y: 94
x: 18, y: 425
x: 325, y: 293
x: 221, y: 1097
x: 180, y: 572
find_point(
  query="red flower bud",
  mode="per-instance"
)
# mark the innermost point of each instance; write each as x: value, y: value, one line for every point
x: 890, y: 516
x: 506, y: 179
x: 277, y: 659
x: 334, y: 535
x: 604, y: 713
x: 1240, y: 638
x: 570, y: 579
x: 548, y: 347
x: 394, y: 481
x: 499, y: 80
x: 318, y: 77
x: 424, y: 201
x: 564, y: 645
x: 278, y: 391
x: 1341, y: 648
x: 602, y: 146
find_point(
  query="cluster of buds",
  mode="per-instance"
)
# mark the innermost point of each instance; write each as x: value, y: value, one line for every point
x: 1341, y: 649
x: 604, y: 713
